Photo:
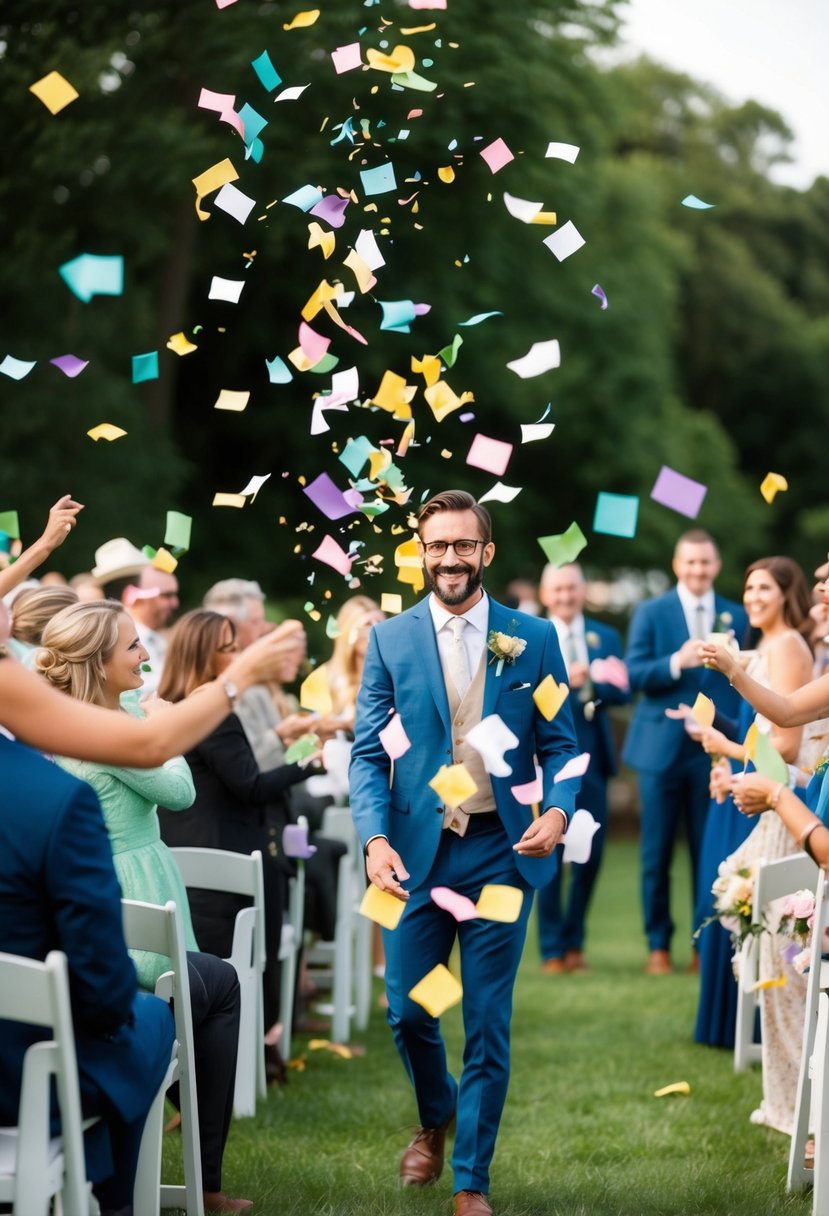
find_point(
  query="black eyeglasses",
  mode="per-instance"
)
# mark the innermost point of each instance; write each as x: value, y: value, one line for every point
x: 462, y: 548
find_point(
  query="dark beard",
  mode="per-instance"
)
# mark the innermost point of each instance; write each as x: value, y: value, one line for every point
x: 450, y: 598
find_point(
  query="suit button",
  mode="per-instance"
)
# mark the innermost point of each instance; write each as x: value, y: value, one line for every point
x: 458, y: 742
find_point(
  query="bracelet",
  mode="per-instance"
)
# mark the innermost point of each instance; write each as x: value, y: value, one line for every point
x: 806, y: 834
x: 772, y: 802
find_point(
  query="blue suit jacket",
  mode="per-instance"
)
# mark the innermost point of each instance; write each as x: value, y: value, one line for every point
x: 403, y: 672
x: 595, y: 736
x: 58, y: 891
x: 657, y: 629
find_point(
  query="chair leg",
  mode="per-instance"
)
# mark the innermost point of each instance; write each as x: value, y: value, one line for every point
x: 146, y: 1196
x: 286, y: 1001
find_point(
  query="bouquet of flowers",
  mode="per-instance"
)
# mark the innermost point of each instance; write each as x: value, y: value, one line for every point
x: 733, y: 892
x: 797, y: 922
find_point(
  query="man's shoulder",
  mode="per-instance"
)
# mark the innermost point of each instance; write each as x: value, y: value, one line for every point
x: 23, y: 765
x: 609, y: 632
x: 657, y: 603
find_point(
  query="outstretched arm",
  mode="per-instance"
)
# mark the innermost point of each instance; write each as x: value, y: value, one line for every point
x: 62, y: 519
x: 805, y: 704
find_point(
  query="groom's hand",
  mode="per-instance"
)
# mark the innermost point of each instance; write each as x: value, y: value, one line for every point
x: 385, y: 867
x: 542, y: 836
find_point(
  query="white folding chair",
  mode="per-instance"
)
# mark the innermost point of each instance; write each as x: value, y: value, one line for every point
x: 239, y: 874
x: 290, y: 949
x: 159, y: 929
x: 812, y: 1103
x: 34, y: 1166
x: 774, y: 880
x: 339, y: 823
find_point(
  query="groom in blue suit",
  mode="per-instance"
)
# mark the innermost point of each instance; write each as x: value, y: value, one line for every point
x: 431, y: 664
x: 664, y: 664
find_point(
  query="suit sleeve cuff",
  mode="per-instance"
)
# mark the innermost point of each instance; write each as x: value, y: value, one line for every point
x: 676, y: 670
x: 377, y: 836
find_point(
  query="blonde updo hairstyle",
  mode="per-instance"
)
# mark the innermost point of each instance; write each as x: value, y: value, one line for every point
x: 75, y: 646
x: 33, y: 609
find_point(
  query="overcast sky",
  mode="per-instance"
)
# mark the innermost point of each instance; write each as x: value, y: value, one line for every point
x: 774, y: 51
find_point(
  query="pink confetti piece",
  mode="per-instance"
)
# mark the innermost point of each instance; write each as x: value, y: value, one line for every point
x: 576, y: 767
x: 610, y: 671
x: 70, y: 365
x: 312, y: 344
x: 394, y: 739
x: 346, y: 58
x: 492, y: 455
x: 456, y: 905
x: 333, y: 555
x: 496, y: 155
x: 530, y: 793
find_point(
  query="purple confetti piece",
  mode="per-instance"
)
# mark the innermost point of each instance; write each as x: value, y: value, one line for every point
x: 466, y: 417
x: 331, y: 209
x: 791, y: 952
x: 70, y: 365
x: 597, y: 291
x: 295, y: 841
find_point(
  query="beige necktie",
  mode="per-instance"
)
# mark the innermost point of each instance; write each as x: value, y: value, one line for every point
x: 458, y: 663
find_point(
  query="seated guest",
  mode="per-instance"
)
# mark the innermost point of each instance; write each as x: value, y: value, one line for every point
x: 151, y: 602
x: 31, y: 612
x: 233, y: 796
x: 92, y: 652
x: 58, y: 891
x: 243, y: 600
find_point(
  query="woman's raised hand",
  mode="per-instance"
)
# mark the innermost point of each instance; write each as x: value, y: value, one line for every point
x: 262, y: 661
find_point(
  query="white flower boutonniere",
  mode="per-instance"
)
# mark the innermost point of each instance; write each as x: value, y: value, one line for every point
x: 505, y: 648
x: 723, y: 622
x: 592, y: 639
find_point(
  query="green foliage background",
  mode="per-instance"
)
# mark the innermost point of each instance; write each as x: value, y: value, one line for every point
x: 712, y: 357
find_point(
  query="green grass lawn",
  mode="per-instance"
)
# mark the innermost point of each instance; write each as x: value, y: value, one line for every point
x: 582, y: 1134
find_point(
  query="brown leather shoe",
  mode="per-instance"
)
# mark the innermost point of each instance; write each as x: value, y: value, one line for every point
x: 574, y: 960
x: 422, y: 1160
x: 472, y: 1203
x: 659, y: 963
x: 693, y: 966
x: 550, y: 966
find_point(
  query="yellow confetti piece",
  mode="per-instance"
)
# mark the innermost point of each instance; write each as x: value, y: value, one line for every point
x: 391, y: 602
x: 382, y: 907
x: 314, y: 694
x: 229, y: 500
x: 764, y: 985
x: 443, y: 400
x: 302, y: 20
x: 106, y: 430
x: 428, y: 366
x: 703, y: 710
x: 229, y: 399
x: 437, y: 991
x: 361, y: 269
x: 214, y: 177
x: 405, y: 439
x: 401, y: 59
x: 379, y: 460
x: 771, y: 484
x: 750, y: 741
x: 395, y: 395
x: 54, y: 91
x: 165, y: 561
x: 453, y: 784
x: 180, y: 345
x: 337, y: 1049
x: 446, y: 174
x: 446, y: 454
x: 318, y: 236
x: 544, y: 217
x: 549, y: 697
x: 324, y: 293
x: 409, y: 565
x: 501, y: 903
x: 680, y: 1087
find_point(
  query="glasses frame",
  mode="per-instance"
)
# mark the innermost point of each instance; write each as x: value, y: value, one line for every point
x: 451, y: 544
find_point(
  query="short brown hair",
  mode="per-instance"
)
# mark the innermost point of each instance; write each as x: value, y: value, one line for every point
x: 456, y: 500
x: 696, y: 536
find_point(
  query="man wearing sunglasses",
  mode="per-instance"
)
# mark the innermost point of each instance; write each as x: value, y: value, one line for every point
x: 454, y: 660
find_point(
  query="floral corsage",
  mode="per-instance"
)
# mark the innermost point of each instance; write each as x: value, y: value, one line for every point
x: 504, y: 648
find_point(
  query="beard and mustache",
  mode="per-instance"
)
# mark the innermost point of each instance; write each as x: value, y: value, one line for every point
x: 461, y: 593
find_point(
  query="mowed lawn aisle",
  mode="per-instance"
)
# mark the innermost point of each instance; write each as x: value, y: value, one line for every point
x: 582, y: 1133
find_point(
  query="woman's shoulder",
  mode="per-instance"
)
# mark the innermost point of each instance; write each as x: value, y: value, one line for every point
x: 789, y: 642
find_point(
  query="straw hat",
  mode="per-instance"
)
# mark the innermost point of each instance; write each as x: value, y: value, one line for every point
x: 118, y: 558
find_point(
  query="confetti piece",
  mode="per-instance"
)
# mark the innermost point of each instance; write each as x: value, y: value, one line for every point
x: 680, y: 493
x: 446, y: 174
x: 332, y: 209
x: 491, y: 455
x: 491, y: 737
x: 501, y: 903
x: 696, y: 204
x: 616, y: 514
x: 449, y: 353
x: 267, y: 73
x: 330, y: 499
x: 295, y: 841
x: 453, y: 784
x: 531, y: 432
x: 545, y: 217
x: 597, y: 291
x: 302, y: 748
x: 401, y: 59
x: 226, y: 289
x: 91, y: 275
x: 431, y: 4
x: 346, y: 58
x: 228, y: 500
x: 500, y: 493
x: 145, y: 367
x: 10, y: 524
x: 106, y: 430
x: 278, y: 370
x: 394, y: 739
x: 456, y: 905
x: 181, y: 345
x: 496, y: 155
x: 577, y: 766
x: 314, y: 693
x: 564, y: 242
x: 391, y: 602
x: 541, y: 357
x: 521, y: 208
x: 230, y: 399
x: 411, y: 80
x: 382, y: 907
x: 610, y: 671
x: 212, y: 179
x: 70, y: 365
x: 767, y: 759
x: 304, y: 198
x: 680, y: 1087
x: 333, y: 555
x: 578, y: 839
x: 302, y: 20
x: 177, y: 531
x: 293, y: 93
x: 564, y: 547
x: 703, y: 711
x: 408, y: 563
x: 16, y: 369
x: 319, y: 237
x: 165, y: 561
x: 234, y: 202
x: 531, y: 792
x: 224, y: 104
x: 312, y: 344
x: 764, y: 985
x: 367, y: 248
x: 444, y: 401
x: 54, y: 91
x: 549, y: 697
x: 567, y: 152
x: 479, y: 317
x: 379, y: 180
x: 394, y: 395
x: 769, y: 487
x: 439, y: 990
x: 254, y: 486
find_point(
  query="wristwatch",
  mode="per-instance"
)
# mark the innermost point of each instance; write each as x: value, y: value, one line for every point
x: 232, y: 692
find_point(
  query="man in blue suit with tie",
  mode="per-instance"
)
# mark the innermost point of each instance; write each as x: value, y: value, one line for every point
x: 664, y: 664
x: 583, y: 640
x: 443, y: 669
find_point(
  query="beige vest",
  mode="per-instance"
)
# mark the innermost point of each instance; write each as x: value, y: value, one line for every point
x: 467, y: 713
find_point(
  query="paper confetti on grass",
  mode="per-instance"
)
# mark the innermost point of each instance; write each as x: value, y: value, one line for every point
x: 679, y: 1087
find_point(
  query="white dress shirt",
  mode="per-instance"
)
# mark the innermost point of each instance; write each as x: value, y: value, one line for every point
x: 572, y: 634
x: 474, y: 635
x: 689, y: 604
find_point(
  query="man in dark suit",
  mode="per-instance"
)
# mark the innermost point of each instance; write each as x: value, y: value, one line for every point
x: 58, y: 891
x: 664, y: 664
x: 435, y: 665
x: 582, y: 640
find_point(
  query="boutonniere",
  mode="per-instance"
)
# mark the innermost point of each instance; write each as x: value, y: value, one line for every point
x: 592, y: 639
x: 723, y: 622
x: 504, y: 647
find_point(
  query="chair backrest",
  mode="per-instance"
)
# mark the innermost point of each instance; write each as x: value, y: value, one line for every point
x: 338, y: 824
x: 811, y: 1082
x: 38, y: 994
x: 783, y: 877
x: 222, y: 870
x: 160, y: 930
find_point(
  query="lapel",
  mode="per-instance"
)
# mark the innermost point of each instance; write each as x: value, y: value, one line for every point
x: 678, y: 623
x: 427, y: 648
x: 500, y: 619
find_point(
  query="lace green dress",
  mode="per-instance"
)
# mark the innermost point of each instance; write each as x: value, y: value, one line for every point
x: 146, y: 870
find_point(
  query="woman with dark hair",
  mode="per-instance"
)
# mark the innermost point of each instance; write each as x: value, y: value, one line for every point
x: 232, y: 794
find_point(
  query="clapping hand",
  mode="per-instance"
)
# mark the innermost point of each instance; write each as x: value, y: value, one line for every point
x: 751, y: 792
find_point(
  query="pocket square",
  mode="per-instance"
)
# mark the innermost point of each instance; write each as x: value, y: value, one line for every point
x: 519, y: 687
